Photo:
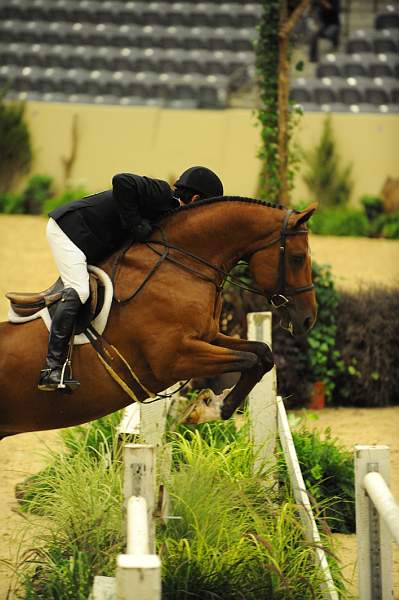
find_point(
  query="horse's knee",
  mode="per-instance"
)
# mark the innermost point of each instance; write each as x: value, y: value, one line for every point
x: 265, y: 356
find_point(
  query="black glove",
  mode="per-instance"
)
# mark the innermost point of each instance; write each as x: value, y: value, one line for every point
x: 142, y: 231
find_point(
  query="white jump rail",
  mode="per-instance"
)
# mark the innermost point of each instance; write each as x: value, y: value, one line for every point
x: 268, y: 420
x: 138, y: 571
x: 377, y: 522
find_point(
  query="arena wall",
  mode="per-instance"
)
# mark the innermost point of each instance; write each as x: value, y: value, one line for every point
x: 163, y: 142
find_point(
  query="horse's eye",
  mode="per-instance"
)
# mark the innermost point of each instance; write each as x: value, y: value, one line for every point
x: 298, y: 259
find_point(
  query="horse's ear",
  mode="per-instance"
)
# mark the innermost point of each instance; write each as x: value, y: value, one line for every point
x: 304, y: 215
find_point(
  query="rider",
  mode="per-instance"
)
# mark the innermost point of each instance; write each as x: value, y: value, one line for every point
x: 87, y: 231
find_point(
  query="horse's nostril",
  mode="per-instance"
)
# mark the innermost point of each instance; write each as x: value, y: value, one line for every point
x: 308, y: 322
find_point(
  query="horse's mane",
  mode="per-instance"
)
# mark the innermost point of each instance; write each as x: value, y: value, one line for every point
x: 219, y: 199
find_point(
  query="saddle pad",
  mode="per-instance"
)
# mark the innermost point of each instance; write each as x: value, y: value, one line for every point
x: 98, y: 323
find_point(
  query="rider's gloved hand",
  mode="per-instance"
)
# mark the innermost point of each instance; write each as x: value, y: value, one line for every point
x: 142, y: 231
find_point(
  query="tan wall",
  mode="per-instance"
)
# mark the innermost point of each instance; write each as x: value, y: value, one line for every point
x: 161, y: 143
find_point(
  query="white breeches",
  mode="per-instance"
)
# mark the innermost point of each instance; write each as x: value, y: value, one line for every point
x: 70, y: 260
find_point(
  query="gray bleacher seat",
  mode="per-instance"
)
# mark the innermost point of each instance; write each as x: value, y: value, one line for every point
x: 301, y: 95
x: 236, y: 15
x: 51, y: 80
x: 357, y: 65
x: 14, y: 53
x: 242, y: 40
x: 331, y: 65
x: 301, y: 91
x: 201, y: 14
x: 8, y: 75
x: 153, y: 13
x: 121, y: 58
x: 28, y: 79
x: 386, y: 41
x: 360, y: 41
x: 194, y: 61
x: 384, y: 65
x: 177, y: 16
x: 104, y: 12
x: 129, y: 12
x: 169, y: 61
x: 125, y: 36
x: 388, y: 18
x: 351, y: 90
x: 74, y: 81
x: 197, y: 38
x: 53, y: 33
x: 325, y: 90
x: 383, y: 90
x: 148, y: 59
x: 211, y: 94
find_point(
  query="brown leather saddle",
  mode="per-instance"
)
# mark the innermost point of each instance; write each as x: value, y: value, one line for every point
x: 26, y: 304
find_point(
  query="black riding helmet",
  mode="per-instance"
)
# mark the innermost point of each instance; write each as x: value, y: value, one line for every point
x: 200, y: 180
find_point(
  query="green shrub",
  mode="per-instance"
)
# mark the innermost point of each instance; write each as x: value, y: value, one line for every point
x: 373, y: 206
x: 339, y: 221
x: 390, y: 229
x: 235, y: 538
x: 37, y: 191
x: 80, y: 494
x: 368, y: 343
x: 70, y: 194
x: 11, y: 204
x: 328, y: 472
x: 328, y: 182
x: 323, y: 359
x: 15, y: 143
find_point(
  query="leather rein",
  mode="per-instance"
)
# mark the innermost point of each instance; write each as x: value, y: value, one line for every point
x: 280, y: 298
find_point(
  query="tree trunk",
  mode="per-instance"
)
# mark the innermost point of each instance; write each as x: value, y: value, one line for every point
x: 283, y: 93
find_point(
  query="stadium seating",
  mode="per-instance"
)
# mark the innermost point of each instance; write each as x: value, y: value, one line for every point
x: 179, y: 54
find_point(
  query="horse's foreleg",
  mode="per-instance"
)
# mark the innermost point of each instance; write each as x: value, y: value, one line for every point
x: 262, y: 350
x: 224, y: 355
x: 234, y: 398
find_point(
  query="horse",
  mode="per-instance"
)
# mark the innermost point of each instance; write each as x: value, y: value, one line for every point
x: 164, y: 318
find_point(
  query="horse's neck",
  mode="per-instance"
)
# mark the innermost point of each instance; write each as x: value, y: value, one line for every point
x: 222, y: 232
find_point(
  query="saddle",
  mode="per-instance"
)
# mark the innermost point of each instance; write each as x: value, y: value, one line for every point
x: 26, y: 304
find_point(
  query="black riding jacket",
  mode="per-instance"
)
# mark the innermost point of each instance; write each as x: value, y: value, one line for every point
x: 101, y: 223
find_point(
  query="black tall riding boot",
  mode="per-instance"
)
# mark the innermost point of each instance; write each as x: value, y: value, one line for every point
x: 56, y: 373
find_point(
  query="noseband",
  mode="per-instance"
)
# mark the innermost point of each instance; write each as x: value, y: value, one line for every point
x: 279, y: 299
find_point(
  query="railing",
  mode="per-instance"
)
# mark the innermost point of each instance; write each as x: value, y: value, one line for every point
x: 377, y: 522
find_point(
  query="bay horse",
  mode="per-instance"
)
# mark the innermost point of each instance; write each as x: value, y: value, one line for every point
x: 169, y: 331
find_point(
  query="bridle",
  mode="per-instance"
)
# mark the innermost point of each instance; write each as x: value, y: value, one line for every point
x: 279, y: 299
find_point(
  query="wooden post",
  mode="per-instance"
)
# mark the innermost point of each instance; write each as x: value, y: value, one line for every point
x: 153, y: 420
x: 139, y: 480
x: 374, y: 544
x: 138, y: 577
x: 262, y: 399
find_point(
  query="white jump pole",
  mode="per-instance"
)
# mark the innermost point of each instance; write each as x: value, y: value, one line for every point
x: 139, y: 480
x: 138, y: 573
x: 262, y: 398
x: 302, y: 500
x: 137, y: 541
x: 374, y: 542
